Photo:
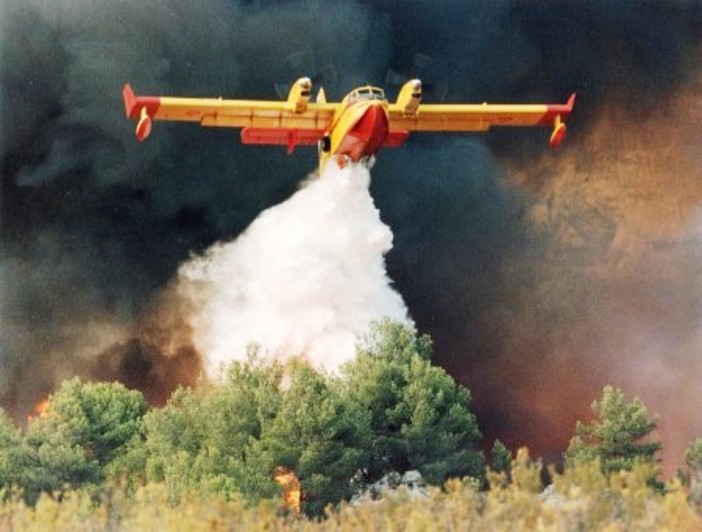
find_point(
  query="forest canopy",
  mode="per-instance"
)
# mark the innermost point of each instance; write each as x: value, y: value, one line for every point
x: 388, y: 412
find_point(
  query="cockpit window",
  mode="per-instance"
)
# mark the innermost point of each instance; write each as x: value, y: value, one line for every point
x: 366, y: 93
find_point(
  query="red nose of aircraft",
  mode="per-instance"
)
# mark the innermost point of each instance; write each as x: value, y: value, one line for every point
x: 367, y: 135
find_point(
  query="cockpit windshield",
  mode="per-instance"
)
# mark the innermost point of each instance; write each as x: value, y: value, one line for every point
x: 366, y: 93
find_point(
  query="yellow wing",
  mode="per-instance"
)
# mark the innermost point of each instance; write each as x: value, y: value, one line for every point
x: 409, y: 114
x: 295, y: 121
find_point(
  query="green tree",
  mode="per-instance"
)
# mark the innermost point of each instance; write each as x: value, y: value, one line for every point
x: 208, y: 439
x: 230, y: 438
x: 238, y: 414
x: 500, y: 458
x: 319, y: 435
x: 85, y: 429
x: 619, y: 436
x: 420, y: 418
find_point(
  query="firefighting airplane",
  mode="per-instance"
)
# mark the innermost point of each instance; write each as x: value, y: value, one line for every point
x: 351, y: 130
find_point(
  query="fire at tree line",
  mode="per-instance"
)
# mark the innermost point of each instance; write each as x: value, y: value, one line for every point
x: 268, y: 426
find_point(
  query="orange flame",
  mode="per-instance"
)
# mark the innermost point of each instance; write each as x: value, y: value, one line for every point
x: 40, y: 410
x: 292, y: 491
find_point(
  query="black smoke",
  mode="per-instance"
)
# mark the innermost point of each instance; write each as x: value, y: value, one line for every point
x: 510, y: 273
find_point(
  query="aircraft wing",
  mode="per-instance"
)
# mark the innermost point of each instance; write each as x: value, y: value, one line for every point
x: 262, y: 122
x: 481, y: 117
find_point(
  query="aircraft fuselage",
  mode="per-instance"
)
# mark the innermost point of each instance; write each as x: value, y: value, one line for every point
x: 359, y: 131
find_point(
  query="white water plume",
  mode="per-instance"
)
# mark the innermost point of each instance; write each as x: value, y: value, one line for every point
x: 304, y: 279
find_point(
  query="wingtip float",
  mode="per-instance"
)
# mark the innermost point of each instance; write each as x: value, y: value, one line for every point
x: 554, y: 116
x: 354, y: 129
x: 140, y: 108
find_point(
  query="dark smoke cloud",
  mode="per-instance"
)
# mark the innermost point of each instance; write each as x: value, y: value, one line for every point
x: 614, y: 294
x: 534, y: 294
x: 93, y: 224
x: 529, y: 271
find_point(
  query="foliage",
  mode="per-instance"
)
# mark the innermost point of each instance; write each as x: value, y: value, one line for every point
x: 390, y: 411
x: 208, y: 439
x: 228, y: 439
x: 85, y: 431
x: 693, y: 476
x: 618, y: 437
x: 500, y: 458
x: 320, y: 436
x: 9, y: 443
x: 210, y: 454
x: 582, y: 498
x: 420, y: 418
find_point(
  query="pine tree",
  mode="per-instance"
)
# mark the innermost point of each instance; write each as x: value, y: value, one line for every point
x: 208, y: 439
x: 420, y: 417
x: 85, y: 429
x: 619, y: 436
x: 319, y: 435
x: 501, y: 458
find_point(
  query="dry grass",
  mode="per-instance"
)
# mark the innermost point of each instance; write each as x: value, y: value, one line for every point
x: 580, y: 499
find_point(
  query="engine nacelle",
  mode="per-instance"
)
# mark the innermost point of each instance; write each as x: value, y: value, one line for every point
x: 299, y: 95
x: 410, y: 96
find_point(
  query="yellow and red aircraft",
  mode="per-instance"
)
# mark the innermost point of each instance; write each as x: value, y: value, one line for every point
x: 351, y: 130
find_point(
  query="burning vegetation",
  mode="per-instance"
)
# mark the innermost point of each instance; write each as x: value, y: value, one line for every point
x: 292, y: 490
x: 40, y: 410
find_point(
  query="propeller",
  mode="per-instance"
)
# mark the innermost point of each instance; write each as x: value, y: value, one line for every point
x: 423, y: 67
x: 304, y: 62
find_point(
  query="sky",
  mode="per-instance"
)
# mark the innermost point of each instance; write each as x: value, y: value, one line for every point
x: 541, y: 275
